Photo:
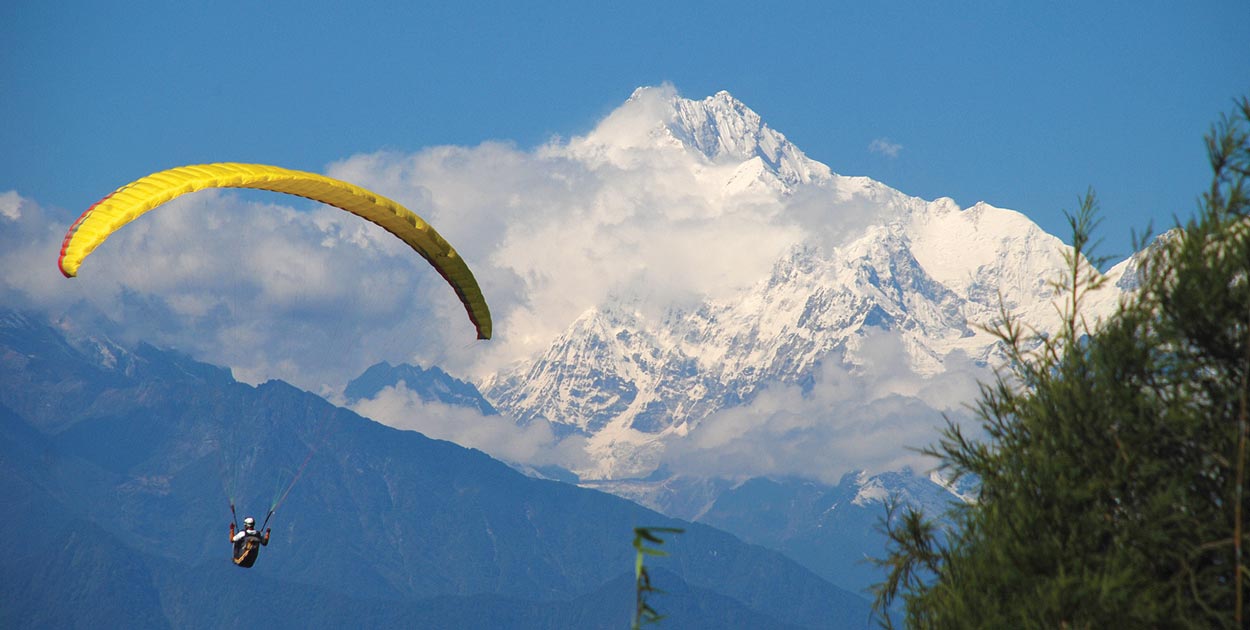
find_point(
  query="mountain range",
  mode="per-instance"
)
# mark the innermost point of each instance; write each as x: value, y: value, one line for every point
x: 869, y: 329
x: 122, y: 466
x: 778, y: 407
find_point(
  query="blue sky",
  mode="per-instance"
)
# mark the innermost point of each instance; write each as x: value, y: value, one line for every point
x: 1022, y: 105
x: 490, y: 120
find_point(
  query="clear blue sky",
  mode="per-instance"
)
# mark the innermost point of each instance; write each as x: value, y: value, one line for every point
x: 1022, y: 105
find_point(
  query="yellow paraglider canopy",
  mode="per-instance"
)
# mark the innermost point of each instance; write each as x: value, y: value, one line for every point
x: 132, y: 200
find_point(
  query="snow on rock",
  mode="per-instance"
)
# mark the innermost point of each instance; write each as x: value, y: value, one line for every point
x: 657, y: 124
x: 870, y: 259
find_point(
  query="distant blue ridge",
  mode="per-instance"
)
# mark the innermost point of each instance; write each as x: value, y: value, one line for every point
x: 432, y: 385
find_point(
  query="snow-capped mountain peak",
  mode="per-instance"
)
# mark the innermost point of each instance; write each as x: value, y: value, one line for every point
x: 864, y: 281
x: 724, y: 129
x: 720, y: 129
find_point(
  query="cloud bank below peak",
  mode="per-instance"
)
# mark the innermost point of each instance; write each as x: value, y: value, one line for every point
x: 666, y: 202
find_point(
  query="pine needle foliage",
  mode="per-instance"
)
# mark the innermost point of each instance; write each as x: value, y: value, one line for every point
x: 643, y: 612
x: 1112, y: 456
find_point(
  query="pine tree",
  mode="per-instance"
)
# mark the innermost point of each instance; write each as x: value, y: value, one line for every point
x: 1112, y: 456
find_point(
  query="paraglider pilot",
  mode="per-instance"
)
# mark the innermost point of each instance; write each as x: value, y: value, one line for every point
x: 247, y: 542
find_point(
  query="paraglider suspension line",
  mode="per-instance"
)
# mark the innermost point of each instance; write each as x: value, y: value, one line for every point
x: 277, y: 503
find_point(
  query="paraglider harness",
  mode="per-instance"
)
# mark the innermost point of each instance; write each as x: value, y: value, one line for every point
x: 248, y: 547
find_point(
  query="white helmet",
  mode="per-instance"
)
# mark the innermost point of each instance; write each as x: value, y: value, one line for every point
x: 249, y: 522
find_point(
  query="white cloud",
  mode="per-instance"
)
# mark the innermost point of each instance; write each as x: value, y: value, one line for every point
x: 626, y: 137
x: 311, y: 295
x: 849, y: 419
x: 278, y: 287
x: 497, y: 436
x: 552, y: 233
x: 10, y: 205
x: 885, y: 147
x: 30, y: 241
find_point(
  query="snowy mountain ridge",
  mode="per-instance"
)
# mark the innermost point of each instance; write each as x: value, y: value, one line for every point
x: 719, y: 131
x: 872, y: 263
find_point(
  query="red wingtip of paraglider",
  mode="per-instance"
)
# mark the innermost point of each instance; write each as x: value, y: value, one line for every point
x: 69, y: 235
